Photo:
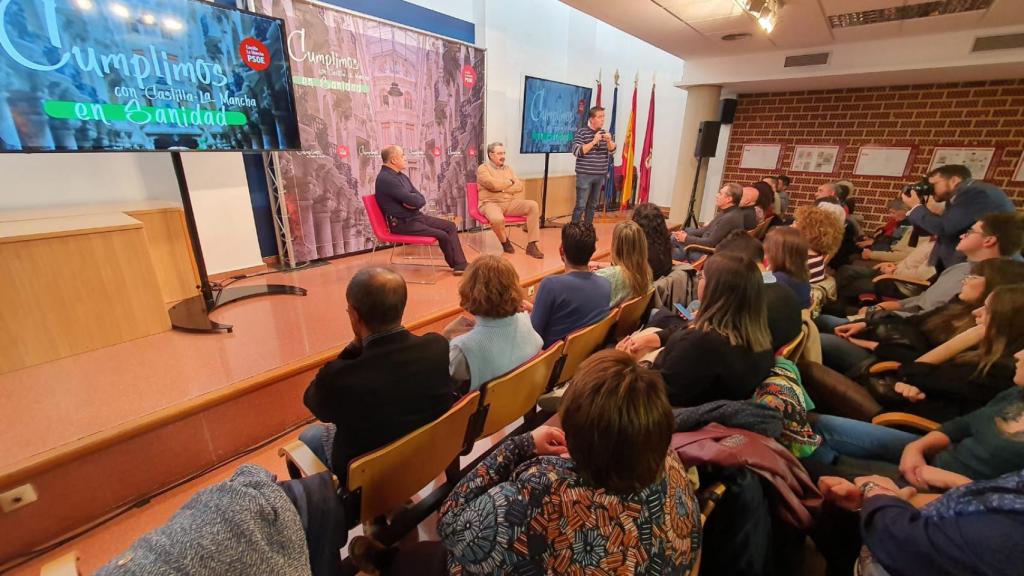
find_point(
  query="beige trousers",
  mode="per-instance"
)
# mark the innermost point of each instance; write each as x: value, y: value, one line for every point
x: 495, y: 212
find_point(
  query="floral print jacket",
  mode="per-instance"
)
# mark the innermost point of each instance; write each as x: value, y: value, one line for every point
x: 522, y: 514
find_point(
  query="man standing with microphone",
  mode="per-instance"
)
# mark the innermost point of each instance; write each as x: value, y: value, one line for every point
x: 592, y: 146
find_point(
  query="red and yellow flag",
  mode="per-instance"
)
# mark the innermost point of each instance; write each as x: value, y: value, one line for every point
x: 629, y: 153
x: 647, y: 156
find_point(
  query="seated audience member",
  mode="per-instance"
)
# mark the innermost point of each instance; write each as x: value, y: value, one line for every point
x: 782, y: 199
x: 823, y: 233
x: 500, y: 335
x: 877, y: 528
x: 998, y: 235
x: 249, y: 525
x: 765, y: 205
x: 501, y: 194
x: 728, y: 219
x: 786, y: 257
x: 629, y: 274
x: 957, y: 376
x: 981, y: 445
x: 401, y: 204
x: 552, y: 502
x: 890, y: 232
x: 848, y: 245
x: 782, y: 306
x: 578, y: 298
x: 888, y: 336
x: 659, y: 242
x: 748, y: 205
x: 386, y: 383
x: 855, y: 280
x: 727, y: 351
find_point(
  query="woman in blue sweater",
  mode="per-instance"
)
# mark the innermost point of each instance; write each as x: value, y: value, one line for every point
x: 500, y: 336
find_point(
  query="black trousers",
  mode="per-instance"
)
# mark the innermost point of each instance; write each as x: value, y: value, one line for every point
x: 444, y: 231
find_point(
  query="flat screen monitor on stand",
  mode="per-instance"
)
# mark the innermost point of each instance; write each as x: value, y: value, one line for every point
x: 552, y: 113
x: 148, y: 75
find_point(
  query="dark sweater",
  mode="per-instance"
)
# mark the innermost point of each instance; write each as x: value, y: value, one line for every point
x: 783, y: 311
x: 567, y: 302
x: 396, y: 195
x: 700, y: 366
x: 728, y: 220
x: 980, y: 450
x: 908, y: 543
x: 378, y: 393
x: 953, y: 389
x: 802, y: 290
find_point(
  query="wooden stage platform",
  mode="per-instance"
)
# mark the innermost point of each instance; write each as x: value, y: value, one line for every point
x: 100, y: 430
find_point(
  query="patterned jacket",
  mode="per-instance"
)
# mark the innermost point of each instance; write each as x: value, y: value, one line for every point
x: 521, y: 514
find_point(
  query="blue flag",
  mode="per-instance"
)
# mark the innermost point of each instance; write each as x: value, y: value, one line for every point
x: 609, y: 186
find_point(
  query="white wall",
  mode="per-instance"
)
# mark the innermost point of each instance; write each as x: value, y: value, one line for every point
x: 49, y: 180
x: 548, y: 39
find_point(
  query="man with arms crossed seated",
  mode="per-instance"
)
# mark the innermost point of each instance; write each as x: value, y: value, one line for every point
x: 386, y: 383
x: 501, y: 194
x: 401, y: 203
x: 729, y: 218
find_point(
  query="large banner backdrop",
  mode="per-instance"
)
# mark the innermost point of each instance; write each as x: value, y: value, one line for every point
x: 361, y: 85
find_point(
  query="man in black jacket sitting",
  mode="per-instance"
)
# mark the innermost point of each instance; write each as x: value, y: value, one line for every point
x: 730, y: 218
x: 385, y: 384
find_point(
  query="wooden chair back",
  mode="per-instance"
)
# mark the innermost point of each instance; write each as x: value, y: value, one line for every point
x: 386, y: 478
x: 583, y: 342
x: 631, y: 313
x: 508, y: 398
x: 790, y: 351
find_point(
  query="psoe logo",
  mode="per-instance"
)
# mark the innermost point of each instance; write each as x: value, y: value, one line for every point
x: 254, y: 54
x: 468, y: 76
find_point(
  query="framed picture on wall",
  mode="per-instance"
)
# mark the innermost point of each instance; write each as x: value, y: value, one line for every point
x: 761, y: 156
x: 1018, y: 174
x: 815, y: 159
x: 980, y: 160
x: 887, y: 161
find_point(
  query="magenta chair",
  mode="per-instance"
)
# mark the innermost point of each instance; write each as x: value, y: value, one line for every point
x: 383, y: 235
x: 473, y: 203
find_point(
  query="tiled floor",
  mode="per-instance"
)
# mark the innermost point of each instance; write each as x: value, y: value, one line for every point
x: 49, y: 405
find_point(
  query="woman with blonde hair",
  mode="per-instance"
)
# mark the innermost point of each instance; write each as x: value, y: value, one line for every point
x: 629, y: 274
x: 824, y: 235
x: 500, y: 336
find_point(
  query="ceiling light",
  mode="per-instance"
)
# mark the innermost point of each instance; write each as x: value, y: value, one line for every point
x: 767, y: 22
x: 84, y: 4
x: 120, y: 10
x: 173, y: 24
x: 148, y: 19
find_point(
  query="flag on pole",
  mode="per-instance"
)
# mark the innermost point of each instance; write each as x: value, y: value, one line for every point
x: 629, y: 152
x: 609, y: 185
x: 647, y: 155
x: 598, y: 103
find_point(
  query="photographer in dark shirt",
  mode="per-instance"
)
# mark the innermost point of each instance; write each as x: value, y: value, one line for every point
x: 967, y: 200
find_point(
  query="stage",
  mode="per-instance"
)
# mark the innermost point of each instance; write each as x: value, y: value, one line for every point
x: 83, y: 428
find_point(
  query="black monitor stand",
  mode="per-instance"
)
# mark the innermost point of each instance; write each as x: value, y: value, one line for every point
x: 193, y: 314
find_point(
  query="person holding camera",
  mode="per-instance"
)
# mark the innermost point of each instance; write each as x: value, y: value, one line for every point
x: 967, y: 200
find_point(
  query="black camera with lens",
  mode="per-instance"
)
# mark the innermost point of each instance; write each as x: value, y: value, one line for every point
x: 924, y: 189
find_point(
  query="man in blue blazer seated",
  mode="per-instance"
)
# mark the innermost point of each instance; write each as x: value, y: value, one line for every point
x: 401, y: 203
x: 967, y: 200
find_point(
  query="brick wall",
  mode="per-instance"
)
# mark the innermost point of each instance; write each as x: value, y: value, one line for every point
x: 965, y: 114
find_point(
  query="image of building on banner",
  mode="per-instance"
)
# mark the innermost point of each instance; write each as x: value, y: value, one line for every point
x: 361, y: 85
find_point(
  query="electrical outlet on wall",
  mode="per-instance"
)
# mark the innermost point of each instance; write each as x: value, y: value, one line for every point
x: 21, y: 496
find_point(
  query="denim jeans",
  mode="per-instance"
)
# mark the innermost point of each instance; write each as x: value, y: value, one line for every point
x: 588, y: 192
x: 856, y: 439
x: 320, y: 440
x: 828, y: 324
x: 842, y: 356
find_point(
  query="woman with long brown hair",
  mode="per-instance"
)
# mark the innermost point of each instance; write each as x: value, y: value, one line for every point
x: 727, y: 350
x: 941, y: 385
x: 659, y: 242
x: 629, y: 274
x: 785, y: 252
